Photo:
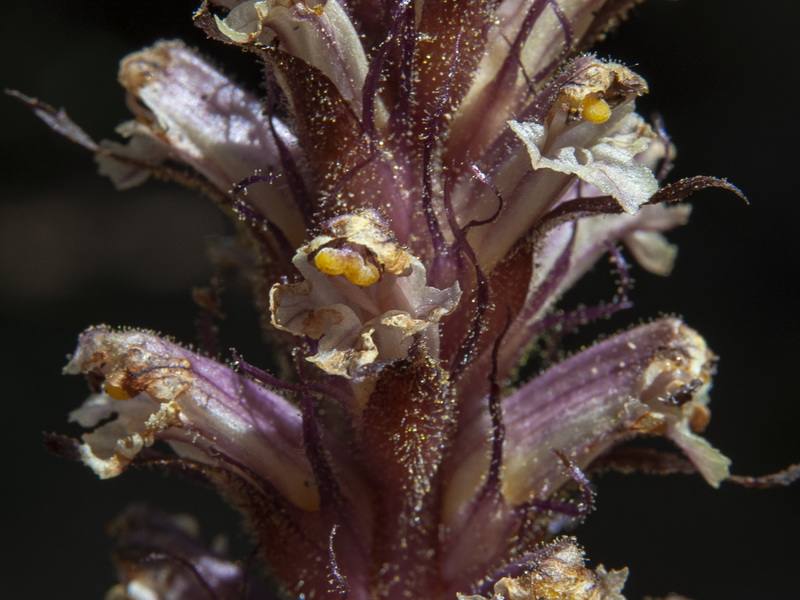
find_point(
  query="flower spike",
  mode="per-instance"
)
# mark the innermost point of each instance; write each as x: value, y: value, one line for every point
x: 420, y: 185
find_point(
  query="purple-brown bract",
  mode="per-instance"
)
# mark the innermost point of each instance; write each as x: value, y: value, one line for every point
x: 420, y: 185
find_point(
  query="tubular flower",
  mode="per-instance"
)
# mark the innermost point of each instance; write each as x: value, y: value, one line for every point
x: 422, y: 183
x: 364, y: 297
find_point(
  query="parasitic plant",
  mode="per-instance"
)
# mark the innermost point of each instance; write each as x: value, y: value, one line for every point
x: 414, y: 191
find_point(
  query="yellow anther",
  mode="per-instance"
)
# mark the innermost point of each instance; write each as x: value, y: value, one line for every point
x: 595, y: 110
x: 361, y: 273
x: 335, y: 262
x: 330, y: 262
x: 116, y: 392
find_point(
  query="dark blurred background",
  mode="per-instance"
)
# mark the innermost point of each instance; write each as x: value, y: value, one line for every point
x: 76, y: 253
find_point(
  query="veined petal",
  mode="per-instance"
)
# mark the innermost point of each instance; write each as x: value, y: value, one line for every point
x: 608, y: 163
x: 317, y: 31
x: 254, y: 444
x: 564, y: 254
x: 651, y: 380
x: 208, y: 413
x: 588, y: 133
x: 592, y: 132
x: 588, y: 240
x: 529, y: 41
x: 189, y: 111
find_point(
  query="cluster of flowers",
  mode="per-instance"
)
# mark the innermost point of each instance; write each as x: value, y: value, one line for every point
x: 419, y: 186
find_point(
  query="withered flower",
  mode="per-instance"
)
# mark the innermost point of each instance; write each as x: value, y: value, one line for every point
x: 419, y: 187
